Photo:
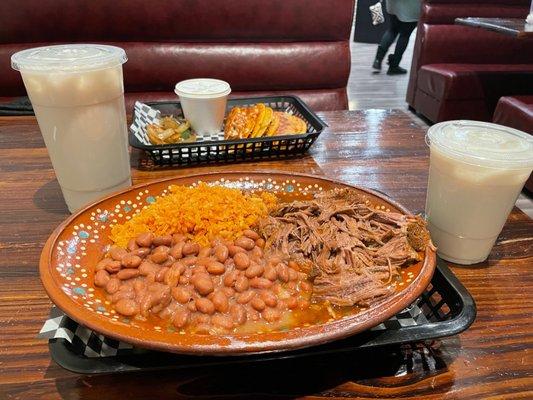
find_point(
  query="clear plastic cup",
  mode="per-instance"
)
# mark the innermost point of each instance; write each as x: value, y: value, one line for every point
x: 203, y: 102
x: 77, y: 94
x: 476, y: 173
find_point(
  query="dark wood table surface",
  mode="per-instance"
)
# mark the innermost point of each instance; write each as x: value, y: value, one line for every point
x: 508, y: 26
x: 381, y: 149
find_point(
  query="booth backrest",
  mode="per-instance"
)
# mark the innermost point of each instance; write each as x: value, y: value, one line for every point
x: 439, y: 40
x: 255, y: 45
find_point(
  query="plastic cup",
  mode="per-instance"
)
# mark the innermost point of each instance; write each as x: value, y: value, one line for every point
x: 476, y: 173
x: 203, y: 102
x: 77, y: 94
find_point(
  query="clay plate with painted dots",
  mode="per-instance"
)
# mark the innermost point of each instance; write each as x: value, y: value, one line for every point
x: 73, y: 249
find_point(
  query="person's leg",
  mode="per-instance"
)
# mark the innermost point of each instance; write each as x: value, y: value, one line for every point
x: 386, y: 40
x: 392, y: 31
x: 405, y: 30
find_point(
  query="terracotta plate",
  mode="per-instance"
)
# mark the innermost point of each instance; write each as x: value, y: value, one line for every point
x: 68, y: 258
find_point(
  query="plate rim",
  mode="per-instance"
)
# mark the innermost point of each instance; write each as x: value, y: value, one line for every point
x: 318, y: 334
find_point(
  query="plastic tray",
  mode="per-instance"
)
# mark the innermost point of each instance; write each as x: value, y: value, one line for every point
x: 217, y: 150
x: 446, y: 304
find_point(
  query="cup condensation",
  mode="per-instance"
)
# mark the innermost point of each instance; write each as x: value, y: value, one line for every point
x: 203, y: 102
x: 476, y: 173
x: 77, y: 94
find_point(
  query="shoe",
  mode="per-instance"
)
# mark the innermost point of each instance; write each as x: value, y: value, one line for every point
x: 380, y: 54
x: 394, y: 68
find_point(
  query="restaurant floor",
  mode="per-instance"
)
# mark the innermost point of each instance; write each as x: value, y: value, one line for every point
x: 367, y: 89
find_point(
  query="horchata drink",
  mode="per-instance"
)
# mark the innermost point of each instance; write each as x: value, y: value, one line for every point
x: 77, y: 94
x: 476, y: 172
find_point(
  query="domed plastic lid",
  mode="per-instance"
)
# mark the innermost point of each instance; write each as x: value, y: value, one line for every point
x: 483, y: 143
x: 202, y: 88
x: 68, y: 58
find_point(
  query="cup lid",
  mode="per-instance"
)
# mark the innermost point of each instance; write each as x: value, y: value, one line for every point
x: 68, y: 58
x: 202, y: 88
x: 483, y: 143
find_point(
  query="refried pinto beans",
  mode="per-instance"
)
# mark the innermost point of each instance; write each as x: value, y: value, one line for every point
x: 227, y: 286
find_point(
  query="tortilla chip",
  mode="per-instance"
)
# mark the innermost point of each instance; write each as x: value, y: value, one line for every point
x: 274, y: 124
x: 261, y: 109
x: 259, y: 120
x: 252, y: 113
x: 152, y: 130
x: 299, y: 125
x: 290, y: 124
x: 169, y: 123
x: 285, y: 124
x: 265, y: 122
x: 235, y: 123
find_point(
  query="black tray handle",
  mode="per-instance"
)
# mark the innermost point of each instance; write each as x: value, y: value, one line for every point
x: 434, y: 330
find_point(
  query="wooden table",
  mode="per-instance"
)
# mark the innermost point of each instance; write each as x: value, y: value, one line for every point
x: 508, y: 26
x: 381, y: 149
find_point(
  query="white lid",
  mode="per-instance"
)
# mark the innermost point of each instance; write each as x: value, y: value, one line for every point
x: 202, y: 88
x: 483, y: 143
x: 68, y: 58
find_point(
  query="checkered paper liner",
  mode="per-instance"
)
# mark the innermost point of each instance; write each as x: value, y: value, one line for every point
x: 144, y: 115
x: 86, y: 342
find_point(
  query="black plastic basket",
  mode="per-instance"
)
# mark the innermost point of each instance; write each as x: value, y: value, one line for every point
x: 446, y: 304
x: 230, y: 151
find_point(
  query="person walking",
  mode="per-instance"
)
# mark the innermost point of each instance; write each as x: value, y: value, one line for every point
x: 403, y: 17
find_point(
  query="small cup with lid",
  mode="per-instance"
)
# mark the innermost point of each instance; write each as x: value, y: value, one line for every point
x: 203, y: 102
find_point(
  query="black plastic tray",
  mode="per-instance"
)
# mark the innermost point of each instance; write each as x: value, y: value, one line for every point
x: 446, y: 301
x: 229, y: 151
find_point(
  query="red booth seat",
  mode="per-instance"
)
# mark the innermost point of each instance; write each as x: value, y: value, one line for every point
x: 459, y: 72
x: 278, y: 46
x: 516, y: 112
x: 457, y: 91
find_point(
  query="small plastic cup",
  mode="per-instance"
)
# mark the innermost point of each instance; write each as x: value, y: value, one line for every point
x: 77, y: 93
x: 476, y: 173
x: 203, y: 102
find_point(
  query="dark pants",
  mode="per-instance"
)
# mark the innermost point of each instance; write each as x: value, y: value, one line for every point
x: 397, y: 28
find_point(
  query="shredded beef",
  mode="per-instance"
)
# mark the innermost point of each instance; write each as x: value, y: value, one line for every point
x: 350, y: 249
